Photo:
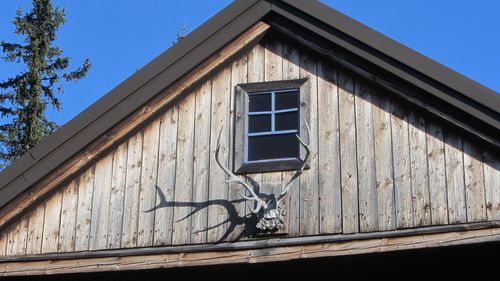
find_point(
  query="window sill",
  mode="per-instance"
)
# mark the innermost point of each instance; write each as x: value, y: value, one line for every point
x: 270, y: 166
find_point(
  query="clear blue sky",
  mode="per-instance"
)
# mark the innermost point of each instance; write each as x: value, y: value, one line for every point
x: 121, y: 36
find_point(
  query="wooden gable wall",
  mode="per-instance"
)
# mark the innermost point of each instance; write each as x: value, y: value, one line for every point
x: 377, y: 164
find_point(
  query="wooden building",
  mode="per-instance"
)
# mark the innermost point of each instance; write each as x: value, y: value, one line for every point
x: 343, y: 142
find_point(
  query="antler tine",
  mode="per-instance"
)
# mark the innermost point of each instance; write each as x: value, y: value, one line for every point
x: 300, y: 170
x: 235, y: 179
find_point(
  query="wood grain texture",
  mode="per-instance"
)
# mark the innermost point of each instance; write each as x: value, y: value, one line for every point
x: 309, y: 193
x: 239, y: 75
x: 117, y: 196
x: 419, y: 174
x: 401, y: 169
x: 474, y: 182
x: 457, y: 212
x: 255, y: 74
x: 166, y: 177
x: 291, y: 70
x: 273, y: 71
x: 218, y: 189
x: 348, y: 165
x: 368, y: 201
x: 35, y: 230
x: 402, y: 166
x: 330, y: 202
x: 3, y: 242
x: 51, y: 223
x: 100, y: 203
x: 184, y: 172
x: 384, y: 161
x: 149, y: 173
x: 17, y: 238
x: 132, y: 191
x: 201, y: 163
x: 437, y: 173
x: 84, y: 210
x: 68, y: 217
x: 492, y: 183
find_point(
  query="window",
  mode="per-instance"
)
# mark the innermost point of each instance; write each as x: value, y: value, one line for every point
x: 268, y: 118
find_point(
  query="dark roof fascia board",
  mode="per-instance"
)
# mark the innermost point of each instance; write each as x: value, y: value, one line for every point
x: 465, y: 103
x: 296, y: 10
x: 397, y: 51
x: 130, y: 95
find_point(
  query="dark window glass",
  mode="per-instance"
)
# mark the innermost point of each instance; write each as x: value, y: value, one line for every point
x: 287, y: 100
x: 259, y: 102
x: 287, y: 121
x: 259, y: 123
x: 273, y: 147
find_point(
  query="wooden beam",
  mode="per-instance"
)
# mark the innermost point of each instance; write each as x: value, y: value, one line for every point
x: 130, y: 124
x: 152, y: 258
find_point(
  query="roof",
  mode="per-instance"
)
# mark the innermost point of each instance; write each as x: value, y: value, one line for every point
x: 479, y: 104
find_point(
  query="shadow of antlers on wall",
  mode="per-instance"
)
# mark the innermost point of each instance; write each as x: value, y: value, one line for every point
x: 234, y: 219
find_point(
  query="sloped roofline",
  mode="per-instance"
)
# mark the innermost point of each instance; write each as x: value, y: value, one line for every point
x: 459, y: 91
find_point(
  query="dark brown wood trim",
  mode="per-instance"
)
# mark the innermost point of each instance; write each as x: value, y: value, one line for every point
x: 256, y: 244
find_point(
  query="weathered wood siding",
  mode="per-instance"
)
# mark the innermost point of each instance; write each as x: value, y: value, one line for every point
x: 376, y: 165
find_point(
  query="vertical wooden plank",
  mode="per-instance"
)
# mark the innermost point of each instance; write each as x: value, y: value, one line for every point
x: 474, y: 182
x: 51, y: 223
x: 348, y: 166
x: 368, y: 210
x: 84, y: 212
x: 239, y: 75
x: 3, y: 242
x: 492, y: 183
x: 35, y: 230
x: 330, y: 206
x: 309, y: 209
x: 17, y: 236
x: 419, y: 174
x: 402, y: 170
x: 218, y: 189
x: 100, y: 204
x: 184, y: 171
x: 291, y: 70
x: 383, y: 162
x: 132, y: 191
x: 273, y: 71
x: 118, y: 185
x: 166, y: 177
x: 201, y: 164
x: 455, y: 177
x: 255, y: 74
x: 69, y: 210
x: 437, y: 174
x: 149, y: 174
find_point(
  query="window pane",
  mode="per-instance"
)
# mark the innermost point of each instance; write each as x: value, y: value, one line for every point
x: 259, y: 123
x: 287, y: 100
x: 259, y: 102
x: 273, y: 147
x: 287, y: 121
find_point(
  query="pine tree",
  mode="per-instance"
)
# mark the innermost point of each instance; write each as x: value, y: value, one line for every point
x: 25, y: 97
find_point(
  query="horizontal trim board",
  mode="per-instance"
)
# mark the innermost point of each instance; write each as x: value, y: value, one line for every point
x: 138, y: 260
x: 258, y: 244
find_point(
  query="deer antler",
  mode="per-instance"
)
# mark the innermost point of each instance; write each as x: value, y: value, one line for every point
x: 233, y: 178
x: 300, y: 170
